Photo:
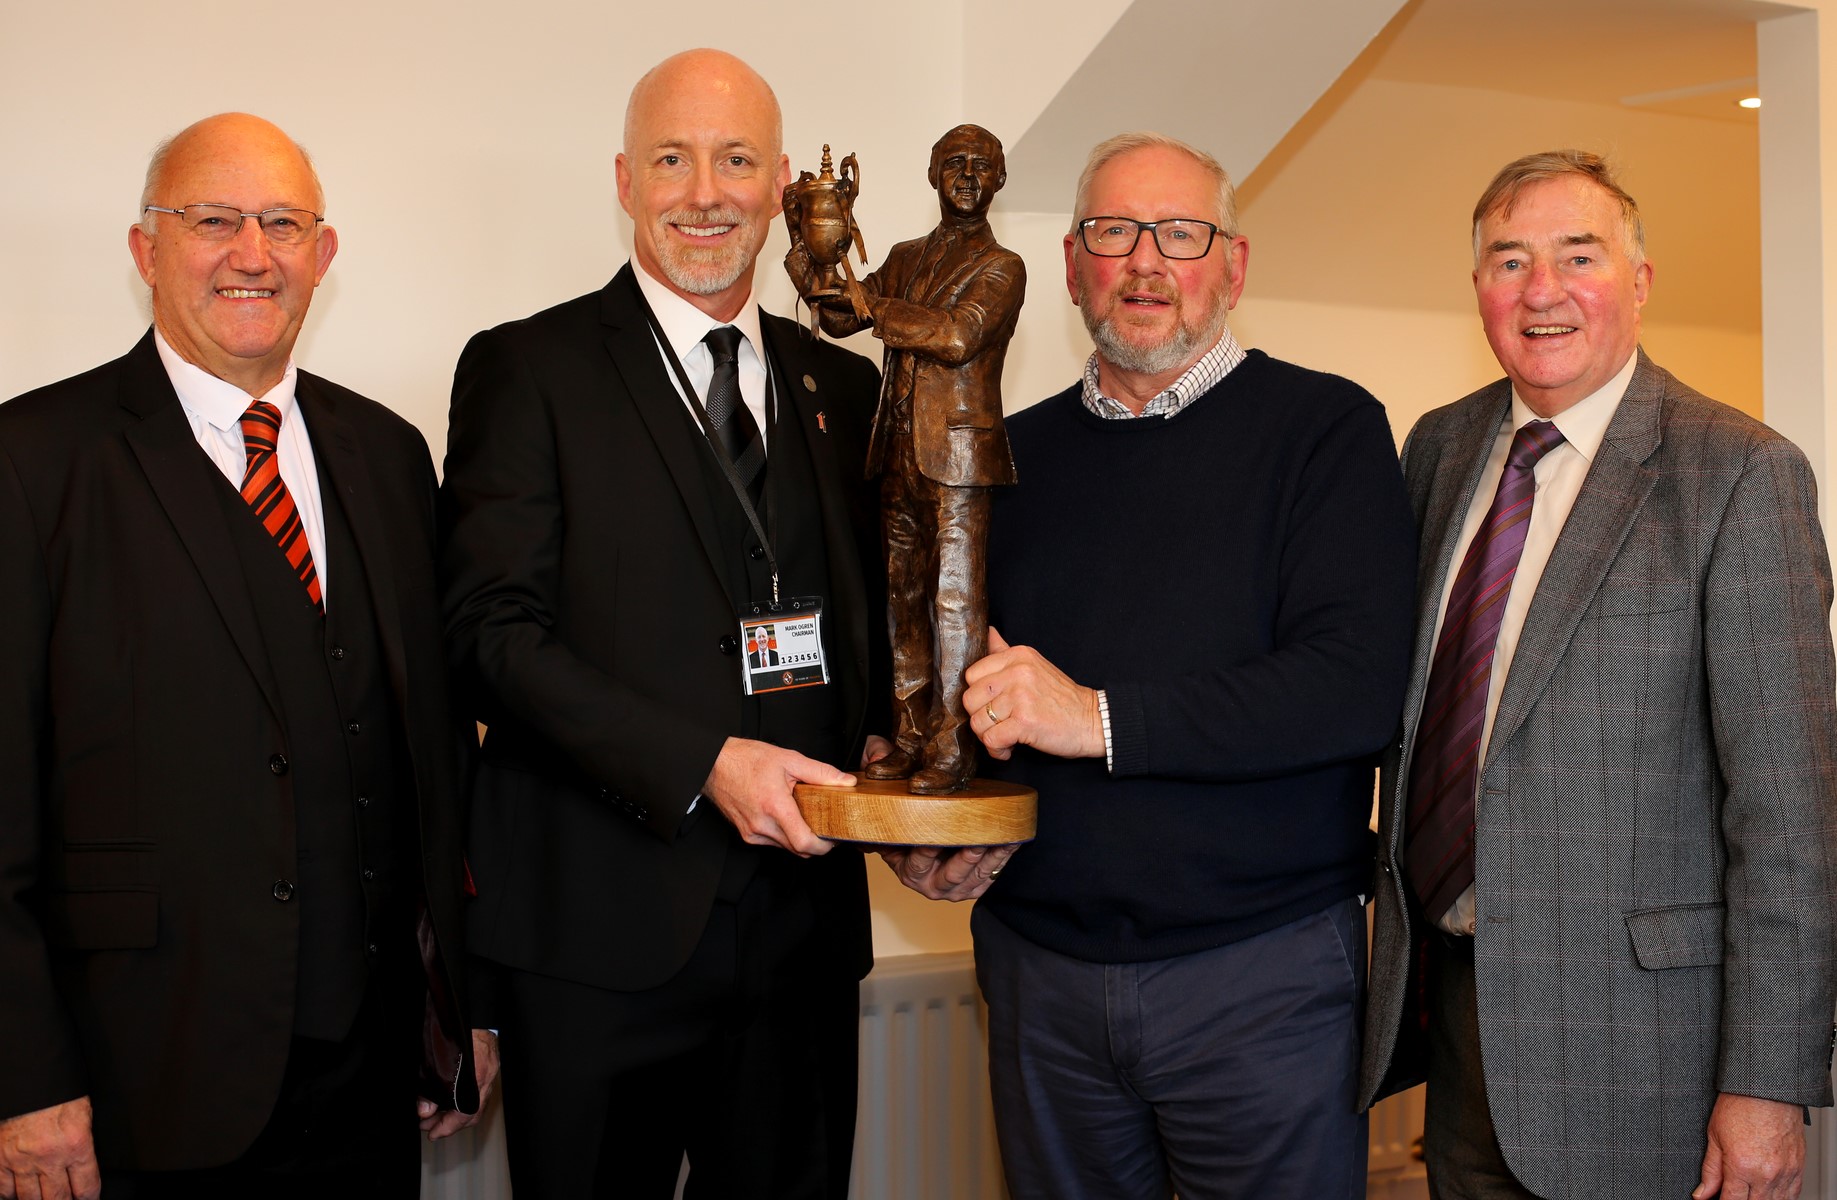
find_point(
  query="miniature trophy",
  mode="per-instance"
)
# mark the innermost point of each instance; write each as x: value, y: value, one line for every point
x: 820, y: 213
x: 944, y: 306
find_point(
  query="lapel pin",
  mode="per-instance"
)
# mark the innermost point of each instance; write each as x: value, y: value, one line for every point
x: 822, y: 423
x: 809, y: 383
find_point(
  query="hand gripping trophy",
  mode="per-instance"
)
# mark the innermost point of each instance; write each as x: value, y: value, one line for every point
x: 945, y: 306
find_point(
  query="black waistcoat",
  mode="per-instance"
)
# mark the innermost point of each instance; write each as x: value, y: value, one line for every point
x: 808, y: 720
x: 355, y: 867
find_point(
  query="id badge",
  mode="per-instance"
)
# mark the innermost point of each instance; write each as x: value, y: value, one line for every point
x: 783, y: 645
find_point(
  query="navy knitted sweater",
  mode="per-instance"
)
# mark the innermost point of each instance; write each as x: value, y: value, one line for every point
x: 1241, y: 579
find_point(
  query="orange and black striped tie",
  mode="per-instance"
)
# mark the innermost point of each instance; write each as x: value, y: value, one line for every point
x: 267, y: 494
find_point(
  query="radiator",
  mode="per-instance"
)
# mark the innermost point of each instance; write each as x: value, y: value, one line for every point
x: 925, y: 1129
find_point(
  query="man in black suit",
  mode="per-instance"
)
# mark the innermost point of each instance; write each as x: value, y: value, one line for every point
x: 231, y: 780
x: 627, y: 473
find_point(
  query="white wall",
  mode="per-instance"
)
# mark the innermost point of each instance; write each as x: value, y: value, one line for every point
x: 466, y: 148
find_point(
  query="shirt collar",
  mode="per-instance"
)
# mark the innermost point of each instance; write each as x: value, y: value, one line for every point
x: 1584, y: 423
x: 1196, y: 381
x: 686, y: 325
x: 219, y: 402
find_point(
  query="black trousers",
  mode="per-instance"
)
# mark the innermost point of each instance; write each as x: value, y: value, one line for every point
x: 1459, y: 1145
x: 344, y: 1124
x: 745, y: 1061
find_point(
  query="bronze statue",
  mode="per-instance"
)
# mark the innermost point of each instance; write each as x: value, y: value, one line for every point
x: 945, y: 306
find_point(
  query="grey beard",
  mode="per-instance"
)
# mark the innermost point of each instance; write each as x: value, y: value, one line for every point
x: 1182, y: 346
x: 701, y: 276
x: 1140, y: 360
x: 704, y: 272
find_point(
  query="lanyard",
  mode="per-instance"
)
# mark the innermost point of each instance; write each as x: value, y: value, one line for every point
x: 714, y: 443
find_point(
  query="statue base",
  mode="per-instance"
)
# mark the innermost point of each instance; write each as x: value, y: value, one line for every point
x: 888, y: 813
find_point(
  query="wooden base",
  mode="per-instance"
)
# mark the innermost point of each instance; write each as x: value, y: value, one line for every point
x: 986, y: 813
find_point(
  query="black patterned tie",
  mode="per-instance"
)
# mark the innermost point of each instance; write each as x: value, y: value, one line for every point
x: 729, y: 418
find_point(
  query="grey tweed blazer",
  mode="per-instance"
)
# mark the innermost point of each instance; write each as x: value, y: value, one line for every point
x: 1655, y: 842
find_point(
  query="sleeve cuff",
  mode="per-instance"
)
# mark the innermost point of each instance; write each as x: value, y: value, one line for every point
x: 1128, y: 730
x: 1103, y: 715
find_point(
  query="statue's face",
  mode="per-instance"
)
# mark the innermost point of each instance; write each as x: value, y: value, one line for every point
x: 967, y: 170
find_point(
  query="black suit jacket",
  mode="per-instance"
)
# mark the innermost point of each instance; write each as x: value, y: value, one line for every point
x: 144, y: 957
x: 588, y: 610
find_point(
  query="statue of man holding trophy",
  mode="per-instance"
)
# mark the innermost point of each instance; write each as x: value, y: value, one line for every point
x: 945, y: 306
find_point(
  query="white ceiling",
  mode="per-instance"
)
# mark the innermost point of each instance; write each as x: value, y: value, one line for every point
x: 1654, y: 52
x: 1229, y: 76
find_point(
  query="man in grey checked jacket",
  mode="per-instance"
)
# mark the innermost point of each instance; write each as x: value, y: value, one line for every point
x: 1620, y: 813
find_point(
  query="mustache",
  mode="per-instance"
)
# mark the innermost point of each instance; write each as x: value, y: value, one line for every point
x: 704, y: 216
x: 1154, y: 287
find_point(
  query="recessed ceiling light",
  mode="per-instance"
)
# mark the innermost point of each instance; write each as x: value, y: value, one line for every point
x: 1749, y: 102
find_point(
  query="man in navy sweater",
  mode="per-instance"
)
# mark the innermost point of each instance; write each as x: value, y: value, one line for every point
x: 1206, y: 574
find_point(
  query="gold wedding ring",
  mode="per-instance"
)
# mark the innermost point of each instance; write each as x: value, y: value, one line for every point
x: 990, y: 709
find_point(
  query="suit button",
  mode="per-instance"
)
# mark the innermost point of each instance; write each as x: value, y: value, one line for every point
x: 354, y: 727
x: 363, y: 802
x: 729, y: 644
x: 338, y: 653
x: 369, y: 874
x: 277, y: 763
x: 282, y: 890
x: 371, y: 950
x: 756, y: 553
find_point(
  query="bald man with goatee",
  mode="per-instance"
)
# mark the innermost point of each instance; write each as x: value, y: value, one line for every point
x: 231, y: 879
x: 630, y: 476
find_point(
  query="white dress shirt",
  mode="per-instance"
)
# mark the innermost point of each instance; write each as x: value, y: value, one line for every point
x: 1558, y: 477
x: 686, y: 325
x: 215, y: 407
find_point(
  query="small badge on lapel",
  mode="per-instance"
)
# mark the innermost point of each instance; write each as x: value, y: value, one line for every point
x: 822, y: 423
x: 809, y: 383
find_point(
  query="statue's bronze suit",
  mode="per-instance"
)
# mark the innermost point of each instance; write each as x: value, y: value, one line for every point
x: 945, y: 305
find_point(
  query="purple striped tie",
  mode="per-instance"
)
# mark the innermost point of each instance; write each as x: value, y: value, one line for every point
x: 1438, y: 847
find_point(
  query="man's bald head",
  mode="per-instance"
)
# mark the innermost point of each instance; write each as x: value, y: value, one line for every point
x: 209, y: 137
x: 717, y: 76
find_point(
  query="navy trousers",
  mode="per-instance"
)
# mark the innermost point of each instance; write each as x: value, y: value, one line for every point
x: 1230, y: 1072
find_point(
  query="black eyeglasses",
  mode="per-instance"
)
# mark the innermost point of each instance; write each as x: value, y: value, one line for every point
x: 1176, y: 237
x: 221, y: 222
